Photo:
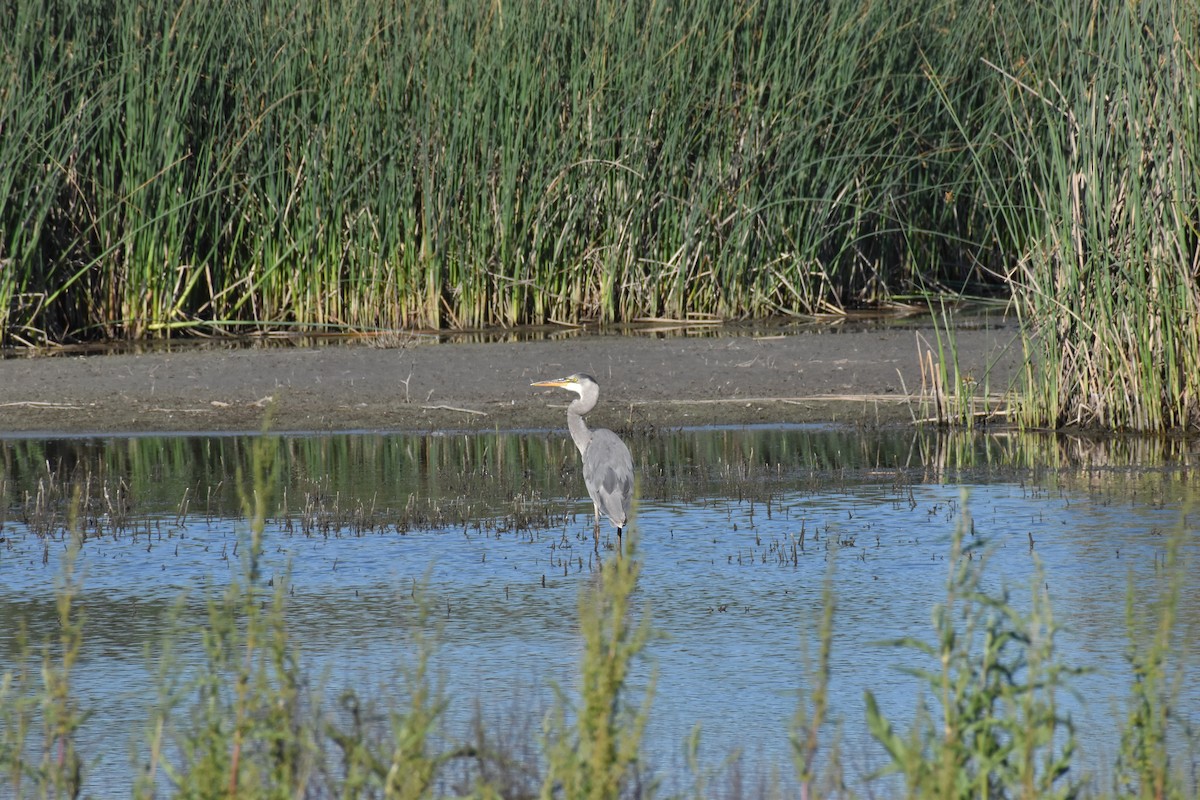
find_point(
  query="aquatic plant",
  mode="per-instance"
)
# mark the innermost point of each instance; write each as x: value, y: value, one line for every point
x: 950, y: 396
x: 600, y: 758
x: 1144, y: 765
x: 1086, y: 166
x: 364, y: 166
x: 46, y: 763
x: 819, y: 775
x: 996, y: 729
x: 238, y: 722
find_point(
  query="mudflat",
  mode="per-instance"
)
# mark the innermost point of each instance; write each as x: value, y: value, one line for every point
x: 860, y: 375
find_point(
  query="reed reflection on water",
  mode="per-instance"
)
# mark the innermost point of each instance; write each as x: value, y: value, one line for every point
x: 738, y: 529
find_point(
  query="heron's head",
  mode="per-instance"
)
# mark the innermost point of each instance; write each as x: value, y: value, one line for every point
x: 576, y: 383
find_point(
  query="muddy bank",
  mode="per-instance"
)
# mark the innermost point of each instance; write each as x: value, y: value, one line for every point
x: 820, y: 375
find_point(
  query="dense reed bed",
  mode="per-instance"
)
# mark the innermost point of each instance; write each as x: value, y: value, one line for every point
x: 1097, y: 181
x: 365, y: 165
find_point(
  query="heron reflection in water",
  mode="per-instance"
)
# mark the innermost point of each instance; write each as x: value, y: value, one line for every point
x: 607, y: 465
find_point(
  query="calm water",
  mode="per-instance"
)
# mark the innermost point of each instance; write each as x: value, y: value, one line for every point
x: 738, y: 529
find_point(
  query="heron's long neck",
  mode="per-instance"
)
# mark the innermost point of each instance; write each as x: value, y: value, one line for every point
x: 576, y: 425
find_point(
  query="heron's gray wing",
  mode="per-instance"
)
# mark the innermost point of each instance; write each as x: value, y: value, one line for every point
x: 608, y: 473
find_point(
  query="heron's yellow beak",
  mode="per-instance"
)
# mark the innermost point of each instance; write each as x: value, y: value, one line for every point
x: 560, y: 382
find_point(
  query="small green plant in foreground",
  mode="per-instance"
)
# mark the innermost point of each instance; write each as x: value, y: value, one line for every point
x: 56, y: 767
x: 996, y: 729
x: 600, y: 758
x: 1144, y: 766
x: 246, y: 729
x: 817, y: 776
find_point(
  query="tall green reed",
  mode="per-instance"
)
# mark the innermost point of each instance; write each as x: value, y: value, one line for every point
x: 192, y: 167
x: 1100, y: 201
x: 361, y: 165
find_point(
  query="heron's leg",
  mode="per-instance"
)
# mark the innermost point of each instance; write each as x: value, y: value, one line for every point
x: 596, y: 528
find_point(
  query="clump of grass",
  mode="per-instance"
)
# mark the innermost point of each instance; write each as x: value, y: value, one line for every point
x: 599, y: 756
x: 818, y: 776
x: 50, y: 765
x: 1144, y: 765
x: 250, y: 729
x: 996, y: 730
x: 951, y: 396
x: 1102, y: 206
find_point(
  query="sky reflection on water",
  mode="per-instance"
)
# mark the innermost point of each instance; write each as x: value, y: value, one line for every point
x: 734, y: 560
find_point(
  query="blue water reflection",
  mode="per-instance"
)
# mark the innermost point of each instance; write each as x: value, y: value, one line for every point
x: 735, y: 543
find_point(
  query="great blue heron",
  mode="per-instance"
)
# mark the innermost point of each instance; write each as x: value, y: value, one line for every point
x: 607, y: 465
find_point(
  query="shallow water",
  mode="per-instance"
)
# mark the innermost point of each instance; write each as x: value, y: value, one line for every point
x: 737, y: 528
